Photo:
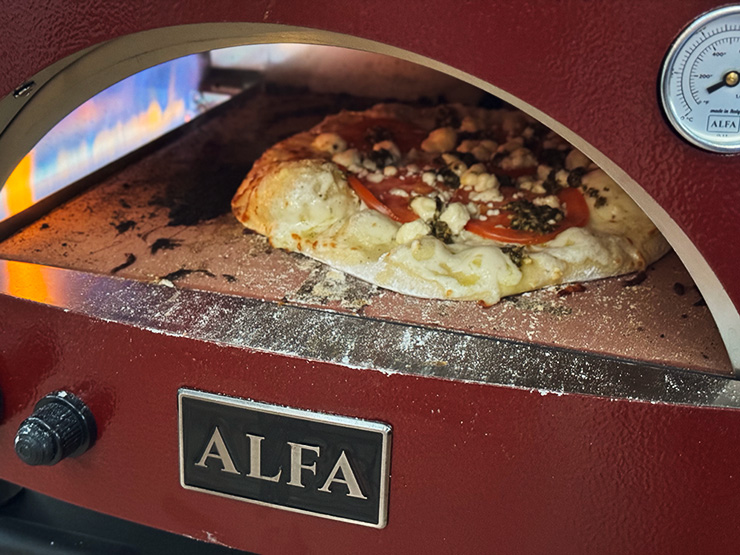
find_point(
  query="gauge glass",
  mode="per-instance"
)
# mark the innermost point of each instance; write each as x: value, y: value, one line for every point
x: 700, y: 81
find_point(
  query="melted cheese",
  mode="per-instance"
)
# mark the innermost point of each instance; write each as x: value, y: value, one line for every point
x: 474, y: 273
x: 317, y: 199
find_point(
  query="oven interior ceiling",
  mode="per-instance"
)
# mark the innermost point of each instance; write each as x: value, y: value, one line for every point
x: 163, y: 217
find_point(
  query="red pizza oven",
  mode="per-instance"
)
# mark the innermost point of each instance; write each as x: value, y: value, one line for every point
x: 250, y: 398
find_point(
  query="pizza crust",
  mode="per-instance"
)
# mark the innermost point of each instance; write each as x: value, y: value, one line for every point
x: 302, y: 202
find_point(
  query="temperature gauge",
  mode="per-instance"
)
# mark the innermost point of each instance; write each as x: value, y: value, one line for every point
x: 699, y: 83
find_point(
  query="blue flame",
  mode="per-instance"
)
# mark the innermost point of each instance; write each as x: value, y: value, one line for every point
x: 72, y: 149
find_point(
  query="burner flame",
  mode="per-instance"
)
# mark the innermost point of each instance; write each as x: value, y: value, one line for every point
x: 115, y: 122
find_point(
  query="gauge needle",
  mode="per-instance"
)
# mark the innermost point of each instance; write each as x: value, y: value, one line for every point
x: 730, y: 79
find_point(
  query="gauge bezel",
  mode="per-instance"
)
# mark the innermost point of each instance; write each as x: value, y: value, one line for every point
x: 670, y: 60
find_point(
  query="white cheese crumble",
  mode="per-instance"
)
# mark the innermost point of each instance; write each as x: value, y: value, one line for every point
x: 538, y: 188
x: 348, y: 158
x: 442, y: 139
x: 525, y: 183
x: 329, y: 142
x: 491, y: 195
x: 369, y: 164
x: 519, y: 158
x: 485, y: 182
x: 551, y: 200
x: 390, y: 171
x: 412, y: 231
x: 429, y: 178
x: 478, y: 179
x: 375, y: 177
x: 399, y: 192
x: 455, y: 216
x: 424, y: 207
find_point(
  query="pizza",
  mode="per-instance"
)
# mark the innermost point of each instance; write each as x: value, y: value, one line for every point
x: 446, y: 202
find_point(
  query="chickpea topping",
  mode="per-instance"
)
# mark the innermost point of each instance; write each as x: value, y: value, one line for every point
x: 481, y: 153
x: 511, y: 145
x: 442, y: 139
x: 329, y: 142
x: 390, y: 147
x: 468, y: 124
x: 576, y: 159
x: 543, y: 171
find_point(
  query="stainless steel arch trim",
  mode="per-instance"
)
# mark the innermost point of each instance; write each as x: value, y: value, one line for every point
x: 65, y: 85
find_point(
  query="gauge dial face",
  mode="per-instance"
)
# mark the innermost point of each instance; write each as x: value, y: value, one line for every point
x: 700, y: 81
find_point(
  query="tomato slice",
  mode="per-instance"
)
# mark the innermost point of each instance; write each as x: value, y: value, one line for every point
x: 369, y: 199
x: 497, y: 228
x: 379, y: 196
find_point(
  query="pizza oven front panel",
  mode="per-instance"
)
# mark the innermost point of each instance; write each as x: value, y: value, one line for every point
x: 317, y: 413
x: 472, y: 462
x: 568, y: 66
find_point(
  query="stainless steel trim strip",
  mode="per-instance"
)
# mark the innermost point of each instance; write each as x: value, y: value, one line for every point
x: 352, y: 341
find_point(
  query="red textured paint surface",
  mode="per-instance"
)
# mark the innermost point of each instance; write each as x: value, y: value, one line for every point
x: 593, y: 66
x: 474, y: 467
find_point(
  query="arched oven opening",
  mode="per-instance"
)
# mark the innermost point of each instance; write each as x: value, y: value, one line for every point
x: 232, y: 104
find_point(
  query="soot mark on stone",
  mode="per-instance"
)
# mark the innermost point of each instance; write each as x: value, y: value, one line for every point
x: 164, y: 244
x: 123, y: 227
x: 184, y: 272
x: 203, y: 190
x: 130, y: 259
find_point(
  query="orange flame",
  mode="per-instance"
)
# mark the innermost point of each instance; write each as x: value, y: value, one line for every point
x: 19, y: 187
x: 28, y: 281
x: 40, y: 174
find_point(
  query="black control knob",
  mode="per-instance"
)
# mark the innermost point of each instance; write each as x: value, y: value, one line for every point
x: 61, y: 426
